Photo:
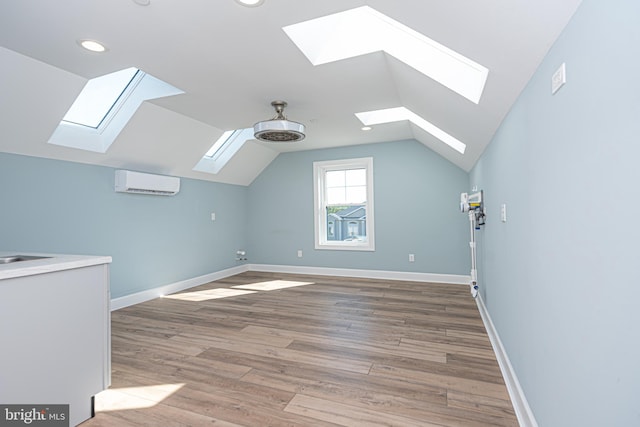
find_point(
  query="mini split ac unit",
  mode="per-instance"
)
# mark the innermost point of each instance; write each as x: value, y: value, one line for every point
x: 145, y: 183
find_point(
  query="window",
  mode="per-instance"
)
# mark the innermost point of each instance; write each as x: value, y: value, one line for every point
x: 343, y: 204
x: 99, y: 97
x: 223, y: 150
x: 353, y: 230
x: 216, y: 148
x: 364, y: 30
x: 104, y: 107
x: 397, y: 114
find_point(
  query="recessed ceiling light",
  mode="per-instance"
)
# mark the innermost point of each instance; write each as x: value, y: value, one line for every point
x: 250, y: 3
x: 92, y: 45
x: 366, y: 128
x: 142, y: 2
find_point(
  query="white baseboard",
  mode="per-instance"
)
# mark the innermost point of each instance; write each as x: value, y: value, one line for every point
x: 368, y: 274
x: 518, y: 399
x: 149, y: 294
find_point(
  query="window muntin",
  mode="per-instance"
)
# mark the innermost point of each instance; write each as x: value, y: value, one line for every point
x: 343, y: 194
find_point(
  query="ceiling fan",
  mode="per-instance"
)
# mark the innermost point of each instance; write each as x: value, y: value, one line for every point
x: 279, y: 129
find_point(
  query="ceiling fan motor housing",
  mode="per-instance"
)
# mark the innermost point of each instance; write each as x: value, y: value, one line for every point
x: 279, y: 129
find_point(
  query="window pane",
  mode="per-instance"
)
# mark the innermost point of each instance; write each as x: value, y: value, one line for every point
x: 98, y: 97
x: 346, y: 186
x: 356, y: 177
x: 336, y: 196
x: 226, y: 136
x: 356, y: 194
x: 335, y: 179
x: 346, y: 223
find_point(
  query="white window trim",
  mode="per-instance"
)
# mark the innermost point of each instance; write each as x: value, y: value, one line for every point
x: 320, y: 223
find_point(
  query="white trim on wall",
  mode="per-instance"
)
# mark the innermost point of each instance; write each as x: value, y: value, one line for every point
x: 149, y: 294
x: 518, y: 399
x: 369, y: 274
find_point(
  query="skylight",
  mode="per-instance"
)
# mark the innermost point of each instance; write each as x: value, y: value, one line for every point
x: 398, y: 114
x: 223, y: 150
x: 105, y: 106
x: 98, y: 98
x: 364, y: 30
x: 217, y: 146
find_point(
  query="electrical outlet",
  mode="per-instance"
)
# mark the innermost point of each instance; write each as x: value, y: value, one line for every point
x: 412, y: 258
x: 558, y: 79
x: 213, y: 216
x: 503, y: 212
x: 299, y: 253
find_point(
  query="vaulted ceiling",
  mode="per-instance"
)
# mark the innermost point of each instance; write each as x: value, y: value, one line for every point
x: 231, y: 61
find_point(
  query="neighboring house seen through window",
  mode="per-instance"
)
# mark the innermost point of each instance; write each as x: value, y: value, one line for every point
x: 343, y: 197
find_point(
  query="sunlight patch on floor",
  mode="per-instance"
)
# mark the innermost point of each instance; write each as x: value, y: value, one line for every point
x: 272, y: 285
x: 208, y: 294
x: 118, y: 399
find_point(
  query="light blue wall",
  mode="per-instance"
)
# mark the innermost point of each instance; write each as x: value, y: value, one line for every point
x: 63, y: 207
x: 560, y: 277
x: 416, y: 211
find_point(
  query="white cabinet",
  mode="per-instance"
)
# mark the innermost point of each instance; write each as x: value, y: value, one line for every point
x: 55, y: 338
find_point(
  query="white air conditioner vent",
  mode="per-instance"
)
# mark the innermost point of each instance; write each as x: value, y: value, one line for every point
x: 146, y: 183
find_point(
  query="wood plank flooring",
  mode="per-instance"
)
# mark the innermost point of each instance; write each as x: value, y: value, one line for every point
x: 265, y: 349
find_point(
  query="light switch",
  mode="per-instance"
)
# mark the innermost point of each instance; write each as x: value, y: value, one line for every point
x: 213, y: 216
x: 503, y: 212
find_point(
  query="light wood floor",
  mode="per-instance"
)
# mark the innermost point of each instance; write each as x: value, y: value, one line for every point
x: 330, y: 352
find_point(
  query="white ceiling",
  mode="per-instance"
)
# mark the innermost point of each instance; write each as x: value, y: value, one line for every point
x: 232, y: 61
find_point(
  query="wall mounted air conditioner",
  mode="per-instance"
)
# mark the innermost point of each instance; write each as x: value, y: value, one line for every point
x: 146, y: 183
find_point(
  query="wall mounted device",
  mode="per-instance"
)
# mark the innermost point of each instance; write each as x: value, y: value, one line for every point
x: 473, y: 204
x: 241, y: 255
x: 146, y: 183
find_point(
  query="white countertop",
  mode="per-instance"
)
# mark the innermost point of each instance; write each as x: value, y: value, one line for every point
x: 53, y: 262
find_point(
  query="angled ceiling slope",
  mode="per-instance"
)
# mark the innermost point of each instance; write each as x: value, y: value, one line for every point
x: 231, y: 61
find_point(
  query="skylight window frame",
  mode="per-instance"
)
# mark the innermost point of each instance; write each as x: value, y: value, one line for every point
x: 364, y: 30
x: 120, y: 100
x: 143, y: 88
x: 223, y: 150
x: 222, y: 143
x: 396, y: 114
